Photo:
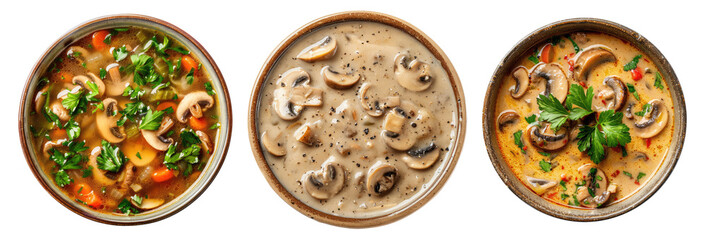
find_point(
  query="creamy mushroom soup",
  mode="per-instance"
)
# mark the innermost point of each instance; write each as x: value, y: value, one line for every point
x: 584, y: 119
x: 124, y: 120
x: 356, y: 118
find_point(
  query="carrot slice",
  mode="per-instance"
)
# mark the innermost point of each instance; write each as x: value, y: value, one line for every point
x: 139, y: 152
x: 547, y: 53
x: 62, y: 77
x: 162, y: 175
x: 98, y: 39
x: 187, y: 63
x: 198, y: 123
x: 165, y: 105
x: 84, y: 193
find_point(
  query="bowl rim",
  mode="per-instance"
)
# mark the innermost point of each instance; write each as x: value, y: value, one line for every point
x: 36, y: 170
x: 364, y: 16
x: 621, y: 32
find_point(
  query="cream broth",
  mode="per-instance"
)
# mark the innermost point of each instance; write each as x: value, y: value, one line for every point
x: 624, y: 171
x: 338, y: 155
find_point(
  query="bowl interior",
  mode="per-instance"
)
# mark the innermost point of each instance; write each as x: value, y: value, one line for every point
x: 434, y: 185
x: 221, y: 141
x: 560, y: 28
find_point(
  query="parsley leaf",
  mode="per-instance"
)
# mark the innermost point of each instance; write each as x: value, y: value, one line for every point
x: 616, y: 133
x: 658, y: 81
x: 102, y: 73
x: 188, y: 137
x: 518, y: 140
x: 73, y: 130
x: 552, y: 111
x: 632, y: 64
x: 545, y: 166
x: 126, y: 207
x: 143, y: 67
x: 580, y: 99
x: 62, y: 178
x: 631, y: 89
x: 120, y: 53
x: 137, y: 199
x: 190, y: 77
x: 111, y: 158
x: 133, y: 93
x: 74, y: 103
x: 562, y: 183
x: 645, y: 108
x: 640, y: 176
x: 534, y: 59
x: 209, y: 88
x: 627, y: 174
x: 576, y: 46
x: 189, y: 154
x: 152, y: 120
x: 531, y: 119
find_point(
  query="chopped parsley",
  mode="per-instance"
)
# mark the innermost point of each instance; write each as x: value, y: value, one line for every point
x: 67, y: 161
x: 102, y: 73
x: 214, y: 126
x: 640, y: 176
x: 190, y: 77
x: 562, y: 183
x: 631, y: 89
x: 152, y: 120
x: 209, y: 88
x: 518, y: 140
x: 137, y: 199
x: 126, y: 207
x: 120, y: 53
x: 110, y: 158
x: 576, y: 46
x: 632, y: 64
x: 531, y: 119
x: 627, y: 174
x: 73, y: 130
x: 645, y: 108
x: 658, y: 81
x: 545, y: 166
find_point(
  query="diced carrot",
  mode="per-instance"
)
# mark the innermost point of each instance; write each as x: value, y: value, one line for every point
x: 198, y: 123
x: 57, y: 134
x: 636, y: 74
x: 187, y: 63
x: 162, y: 175
x: 99, y: 38
x: 165, y: 105
x: 62, y: 76
x: 84, y: 193
x: 547, y: 53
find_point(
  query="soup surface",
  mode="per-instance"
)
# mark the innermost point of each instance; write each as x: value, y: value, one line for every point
x: 584, y: 120
x: 357, y: 119
x: 124, y: 120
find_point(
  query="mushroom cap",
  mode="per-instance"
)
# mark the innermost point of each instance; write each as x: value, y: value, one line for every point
x: 326, y: 182
x: 82, y: 81
x: 107, y: 122
x: 596, y: 183
x: 422, y: 158
x: 100, y: 175
x: 294, y: 77
x: 522, y: 80
x: 415, y: 122
x: 506, y: 117
x: 538, y: 185
x: 590, y: 58
x: 198, y: 99
x: 413, y: 75
x: 373, y: 105
x: 293, y: 93
x: 542, y: 136
x: 148, y: 203
x: 554, y: 78
x: 157, y: 142
x: 653, y: 121
x: 323, y: 49
x: 338, y: 80
x: 381, y: 178
x: 273, y: 146
x: 611, y: 95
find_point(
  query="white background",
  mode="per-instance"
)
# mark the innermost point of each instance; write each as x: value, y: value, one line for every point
x: 474, y: 203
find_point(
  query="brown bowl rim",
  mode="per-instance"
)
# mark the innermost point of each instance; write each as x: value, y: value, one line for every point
x: 38, y: 172
x: 366, y: 16
x: 621, y: 32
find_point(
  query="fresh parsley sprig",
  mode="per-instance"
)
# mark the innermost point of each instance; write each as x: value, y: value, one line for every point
x: 111, y: 158
x: 609, y: 130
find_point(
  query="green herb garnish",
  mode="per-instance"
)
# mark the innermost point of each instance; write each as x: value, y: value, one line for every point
x: 631, y: 89
x: 632, y: 64
x: 518, y: 140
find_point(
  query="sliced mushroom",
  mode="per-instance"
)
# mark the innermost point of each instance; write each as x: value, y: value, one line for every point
x: 82, y: 81
x: 60, y: 111
x: 305, y: 135
x: 422, y: 158
x: 293, y: 93
x: 641, y: 156
x: 193, y: 104
x: 337, y: 80
x: 102, y: 177
x: 589, y: 59
x: 595, y: 192
x: 323, y: 49
x: 116, y: 85
x: 206, y: 144
x: 381, y: 178
x: 107, y: 122
x: 325, y: 182
x: 542, y: 136
x: 540, y: 186
x: 554, y: 78
x: 40, y: 99
x: 611, y: 95
x: 628, y: 111
x: 653, y: 121
x: 49, y: 145
x: 404, y: 124
x: 148, y: 203
x: 375, y: 106
x: 522, y: 81
x: 412, y: 74
x: 154, y: 137
x: 274, y: 146
x: 507, y: 117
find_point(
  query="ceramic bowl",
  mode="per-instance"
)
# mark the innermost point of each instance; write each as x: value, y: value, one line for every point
x: 565, y: 27
x: 434, y: 185
x: 221, y: 141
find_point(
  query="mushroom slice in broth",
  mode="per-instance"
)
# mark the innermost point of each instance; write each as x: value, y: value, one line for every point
x: 325, y: 182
